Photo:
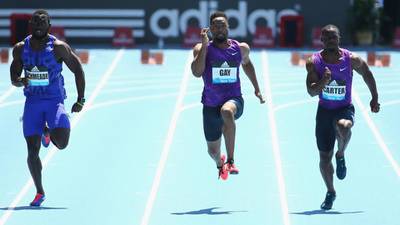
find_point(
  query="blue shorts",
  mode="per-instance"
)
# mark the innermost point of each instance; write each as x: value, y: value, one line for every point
x: 37, y: 113
x: 212, y: 119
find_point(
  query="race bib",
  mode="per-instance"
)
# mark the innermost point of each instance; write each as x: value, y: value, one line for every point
x: 335, y: 91
x: 224, y: 73
x: 38, y: 76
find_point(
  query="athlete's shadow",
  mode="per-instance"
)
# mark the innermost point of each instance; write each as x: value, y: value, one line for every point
x: 326, y: 212
x: 18, y: 208
x: 209, y: 211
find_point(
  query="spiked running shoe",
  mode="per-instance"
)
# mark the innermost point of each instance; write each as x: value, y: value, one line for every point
x: 46, y: 137
x: 37, y: 201
x: 329, y: 199
x: 222, y: 170
x: 232, y: 168
x: 340, y: 168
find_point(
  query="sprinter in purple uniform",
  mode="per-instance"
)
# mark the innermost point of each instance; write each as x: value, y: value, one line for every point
x: 41, y: 56
x: 217, y: 62
x: 330, y: 75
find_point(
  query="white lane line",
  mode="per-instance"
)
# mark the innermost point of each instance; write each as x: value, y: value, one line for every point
x: 140, y: 88
x: 378, y: 136
x: 11, y: 90
x: 10, y: 103
x: 53, y: 150
x: 7, y: 93
x: 390, y: 103
x: 275, y: 140
x: 193, y: 105
x: 131, y: 99
x: 292, y: 104
x: 167, y: 144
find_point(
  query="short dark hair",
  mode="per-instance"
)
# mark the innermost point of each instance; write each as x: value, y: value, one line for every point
x: 44, y: 12
x: 330, y: 27
x: 217, y: 14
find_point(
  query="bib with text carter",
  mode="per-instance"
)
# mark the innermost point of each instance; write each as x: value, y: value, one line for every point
x: 335, y: 90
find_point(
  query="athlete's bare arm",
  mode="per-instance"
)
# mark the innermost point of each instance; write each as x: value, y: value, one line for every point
x: 314, y: 84
x: 64, y: 53
x: 249, y: 70
x: 199, y: 54
x: 17, y: 66
x: 359, y: 65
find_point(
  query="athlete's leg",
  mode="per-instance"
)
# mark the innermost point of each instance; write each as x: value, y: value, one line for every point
x: 59, y: 124
x: 228, y: 111
x: 212, y: 125
x: 326, y: 168
x: 325, y: 135
x: 214, y: 150
x: 231, y: 111
x: 33, y: 122
x: 34, y: 163
x: 327, y: 171
x: 344, y: 123
x: 343, y: 135
x: 60, y: 137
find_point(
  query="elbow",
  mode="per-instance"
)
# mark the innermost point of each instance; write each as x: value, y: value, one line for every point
x: 312, y: 93
x: 17, y: 84
x: 196, y: 72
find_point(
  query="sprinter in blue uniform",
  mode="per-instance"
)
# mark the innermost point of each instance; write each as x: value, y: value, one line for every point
x: 40, y: 56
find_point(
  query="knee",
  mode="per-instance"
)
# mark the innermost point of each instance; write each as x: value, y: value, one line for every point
x: 60, y: 138
x: 325, y: 158
x: 344, y: 124
x: 62, y: 144
x: 212, y: 151
x: 33, y: 152
x: 324, y: 161
x: 344, y: 127
x: 33, y: 156
x: 227, y: 113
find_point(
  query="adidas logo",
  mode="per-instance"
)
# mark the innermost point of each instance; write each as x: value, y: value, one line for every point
x: 225, y: 64
x: 333, y: 83
x: 35, y: 69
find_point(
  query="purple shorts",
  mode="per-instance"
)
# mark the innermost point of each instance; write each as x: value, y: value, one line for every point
x: 37, y: 113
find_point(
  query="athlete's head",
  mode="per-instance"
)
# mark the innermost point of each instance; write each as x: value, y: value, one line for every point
x: 330, y: 36
x: 40, y: 24
x: 219, y: 26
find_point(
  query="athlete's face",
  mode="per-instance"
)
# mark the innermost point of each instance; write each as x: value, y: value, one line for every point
x: 330, y: 39
x: 219, y: 29
x: 40, y: 26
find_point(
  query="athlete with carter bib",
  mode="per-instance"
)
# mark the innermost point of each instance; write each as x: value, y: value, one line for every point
x: 218, y: 62
x: 330, y: 76
x: 40, y: 56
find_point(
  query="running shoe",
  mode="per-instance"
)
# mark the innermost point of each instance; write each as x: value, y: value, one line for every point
x: 329, y: 199
x: 340, y: 168
x: 39, y: 198
x: 222, y: 170
x: 46, y: 137
x: 232, y: 168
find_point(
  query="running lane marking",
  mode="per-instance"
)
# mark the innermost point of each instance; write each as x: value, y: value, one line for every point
x: 74, y: 122
x: 378, y: 136
x: 7, y: 93
x: 11, y: 89
x: 167, y: 143
x: 275, y: 139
